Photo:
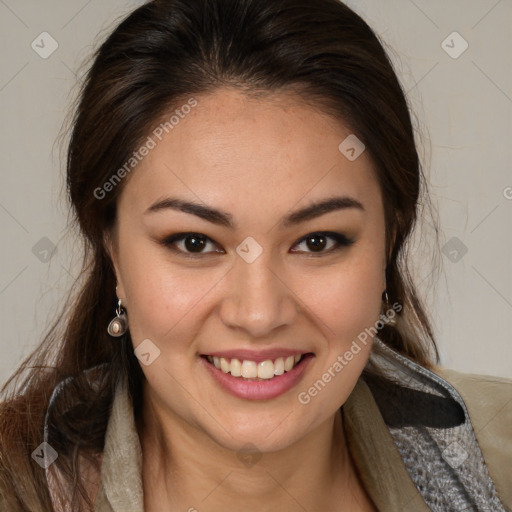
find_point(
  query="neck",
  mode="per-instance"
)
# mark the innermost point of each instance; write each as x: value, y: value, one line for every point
x: 185, y: 469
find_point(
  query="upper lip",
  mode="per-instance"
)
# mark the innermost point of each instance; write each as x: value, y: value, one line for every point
x: 256, y: 355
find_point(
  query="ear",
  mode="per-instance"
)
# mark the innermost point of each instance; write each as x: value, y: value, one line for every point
x: 110, y: 242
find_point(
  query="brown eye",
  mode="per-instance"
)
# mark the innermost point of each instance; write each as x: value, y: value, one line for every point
x: 192, y: 243
x: 317, y: 242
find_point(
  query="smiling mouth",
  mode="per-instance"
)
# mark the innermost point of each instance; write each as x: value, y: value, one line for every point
x: 252, y: 371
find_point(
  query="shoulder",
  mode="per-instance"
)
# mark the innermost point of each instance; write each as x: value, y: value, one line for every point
x: 481, y: 387
x: 488, y: 400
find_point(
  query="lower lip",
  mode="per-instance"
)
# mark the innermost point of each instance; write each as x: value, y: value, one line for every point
x: 259, y: 390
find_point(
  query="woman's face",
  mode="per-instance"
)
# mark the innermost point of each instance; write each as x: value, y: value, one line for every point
x: 258, y: 285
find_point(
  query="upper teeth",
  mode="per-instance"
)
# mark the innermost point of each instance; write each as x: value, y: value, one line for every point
x: 251, y: 370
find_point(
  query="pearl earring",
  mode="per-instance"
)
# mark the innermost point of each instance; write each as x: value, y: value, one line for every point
x: 118, y: 325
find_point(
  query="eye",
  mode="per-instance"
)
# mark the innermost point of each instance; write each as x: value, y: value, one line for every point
x: 194, y: 243
x: 318, y: 241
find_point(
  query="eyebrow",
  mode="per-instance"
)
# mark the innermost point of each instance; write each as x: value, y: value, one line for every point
x: 223, y: 218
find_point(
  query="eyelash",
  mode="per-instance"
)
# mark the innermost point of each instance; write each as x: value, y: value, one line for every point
x: 342, y: 240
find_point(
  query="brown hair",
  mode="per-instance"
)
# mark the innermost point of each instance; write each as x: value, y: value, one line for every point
x: 163, y: 52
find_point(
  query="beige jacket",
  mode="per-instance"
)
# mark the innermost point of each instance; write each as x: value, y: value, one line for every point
x: 409, y: 460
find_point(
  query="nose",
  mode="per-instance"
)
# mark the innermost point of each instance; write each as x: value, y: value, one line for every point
x: 258, y: 300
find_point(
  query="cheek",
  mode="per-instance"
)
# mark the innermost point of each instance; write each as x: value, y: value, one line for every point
x: 346, y: 304
x: 159, y: 295
x: 346, y: 298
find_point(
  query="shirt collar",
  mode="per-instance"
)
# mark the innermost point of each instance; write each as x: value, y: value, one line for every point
x: 121, y: 469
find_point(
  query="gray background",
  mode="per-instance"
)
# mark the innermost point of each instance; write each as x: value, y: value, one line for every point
x: 462, y: 109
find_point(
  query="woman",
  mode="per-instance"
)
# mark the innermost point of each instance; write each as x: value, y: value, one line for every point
x: 246, y: 335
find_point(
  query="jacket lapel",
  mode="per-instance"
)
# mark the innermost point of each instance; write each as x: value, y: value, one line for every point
x: 121, y: 477
x: 381, y: 468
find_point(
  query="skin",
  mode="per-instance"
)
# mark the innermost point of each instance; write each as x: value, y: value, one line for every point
x: 239, y: 155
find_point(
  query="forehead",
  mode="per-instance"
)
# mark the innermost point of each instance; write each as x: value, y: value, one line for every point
x: 244, y: 153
